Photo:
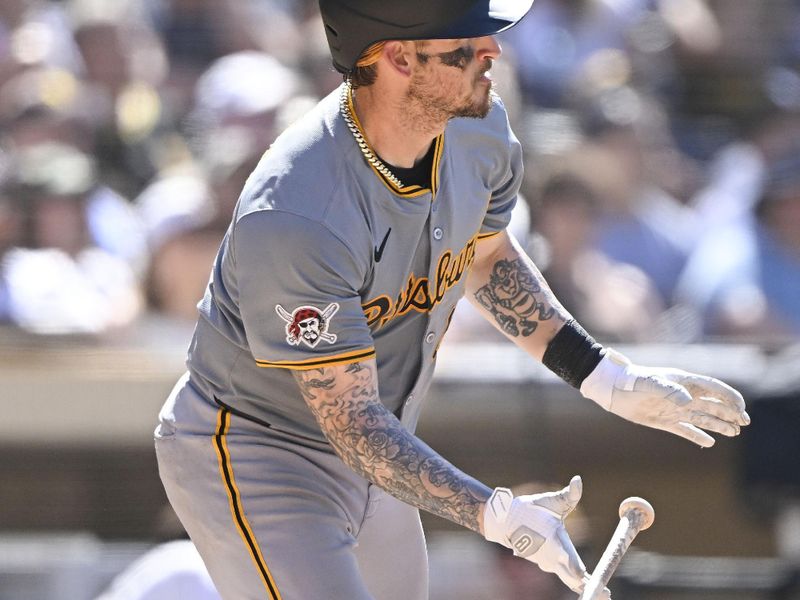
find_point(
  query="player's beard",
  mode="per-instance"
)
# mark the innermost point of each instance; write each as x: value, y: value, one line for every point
x: 435, y: 103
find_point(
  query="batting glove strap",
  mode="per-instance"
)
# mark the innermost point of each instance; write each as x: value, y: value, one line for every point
x: 610, y: 373
x: 495, y: 513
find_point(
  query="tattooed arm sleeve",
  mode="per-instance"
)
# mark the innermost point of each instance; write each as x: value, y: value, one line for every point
x: 511, y: 293
x: 372, y: 442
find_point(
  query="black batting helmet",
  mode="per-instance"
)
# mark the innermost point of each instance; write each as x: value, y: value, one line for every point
x: 353, y: 25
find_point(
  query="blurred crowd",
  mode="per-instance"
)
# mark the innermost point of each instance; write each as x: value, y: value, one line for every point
x: 662, y: 140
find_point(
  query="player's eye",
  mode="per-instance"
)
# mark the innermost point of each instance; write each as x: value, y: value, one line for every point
x: 459, y: 58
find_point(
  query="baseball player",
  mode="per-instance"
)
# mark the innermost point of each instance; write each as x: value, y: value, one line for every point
x: 288, y: 449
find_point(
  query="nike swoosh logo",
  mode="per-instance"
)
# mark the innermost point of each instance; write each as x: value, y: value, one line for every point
x: 379, y: 251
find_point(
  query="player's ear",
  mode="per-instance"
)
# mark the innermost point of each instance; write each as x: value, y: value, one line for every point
x: 399, y: 56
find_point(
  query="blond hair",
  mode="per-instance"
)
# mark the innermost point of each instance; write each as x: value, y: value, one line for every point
x: 366, y: 71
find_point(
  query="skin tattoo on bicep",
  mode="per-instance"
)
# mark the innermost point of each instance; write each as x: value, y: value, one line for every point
x: 373, y: 442
x: 511, y: 297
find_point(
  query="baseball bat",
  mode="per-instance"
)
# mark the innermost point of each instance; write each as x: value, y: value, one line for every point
x: 635, y: 515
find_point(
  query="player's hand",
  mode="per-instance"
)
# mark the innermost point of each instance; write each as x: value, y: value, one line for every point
x: 669, y: 399
x: 533, y: 527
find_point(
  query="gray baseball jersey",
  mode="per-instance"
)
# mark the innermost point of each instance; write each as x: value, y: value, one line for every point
x: 326, y: 262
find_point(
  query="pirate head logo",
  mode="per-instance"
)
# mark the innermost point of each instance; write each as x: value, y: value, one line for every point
x: 308, y: 325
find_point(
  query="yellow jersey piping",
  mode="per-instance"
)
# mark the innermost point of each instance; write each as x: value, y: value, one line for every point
x: 316, y: 363
x: 409, y: 191
x: 235, y: 499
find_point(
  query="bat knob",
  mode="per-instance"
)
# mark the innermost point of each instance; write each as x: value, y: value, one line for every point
x: 641, y: 507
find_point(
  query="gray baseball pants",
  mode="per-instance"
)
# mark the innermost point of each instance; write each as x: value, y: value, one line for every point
x: 275, y: 519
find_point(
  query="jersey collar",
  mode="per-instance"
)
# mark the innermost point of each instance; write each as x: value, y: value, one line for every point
x: 409, y: 191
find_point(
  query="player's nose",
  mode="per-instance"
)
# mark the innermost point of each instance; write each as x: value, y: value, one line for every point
x: 487, y: 47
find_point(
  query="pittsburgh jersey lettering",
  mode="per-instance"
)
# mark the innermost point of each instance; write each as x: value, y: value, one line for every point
x: 416, y: 294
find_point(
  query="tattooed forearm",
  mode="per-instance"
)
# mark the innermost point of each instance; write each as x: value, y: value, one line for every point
x: 371, y: 441
x: 315, y: 379
x: 514, y: 296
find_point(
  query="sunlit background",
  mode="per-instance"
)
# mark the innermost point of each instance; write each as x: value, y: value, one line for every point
x: 661, y: 201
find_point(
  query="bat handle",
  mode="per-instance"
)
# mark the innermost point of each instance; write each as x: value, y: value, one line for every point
x: 635, y: 515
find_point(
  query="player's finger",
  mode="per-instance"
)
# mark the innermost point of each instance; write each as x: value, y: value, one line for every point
x: 716, y: 408
x: 693, y: 434
x: 711, y: 423
x: 674, y: 392
x: 700, y: 386
x: 564, y: 501
x: 571, y: 570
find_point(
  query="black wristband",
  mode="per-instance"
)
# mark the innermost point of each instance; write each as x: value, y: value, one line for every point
x: 572, y: 354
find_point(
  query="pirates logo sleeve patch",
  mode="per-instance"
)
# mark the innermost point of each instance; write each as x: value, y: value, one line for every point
x: 308, y: 325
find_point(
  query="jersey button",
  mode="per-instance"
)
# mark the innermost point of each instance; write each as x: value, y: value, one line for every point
x: 430, y: 337
x: 410, y: 399
x: 438, y: 234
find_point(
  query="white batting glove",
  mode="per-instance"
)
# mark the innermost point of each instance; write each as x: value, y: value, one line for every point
x: 668, y: 399
x: 533, y: 527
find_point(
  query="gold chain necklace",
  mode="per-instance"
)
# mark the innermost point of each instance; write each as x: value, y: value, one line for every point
x: 345, y: 99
